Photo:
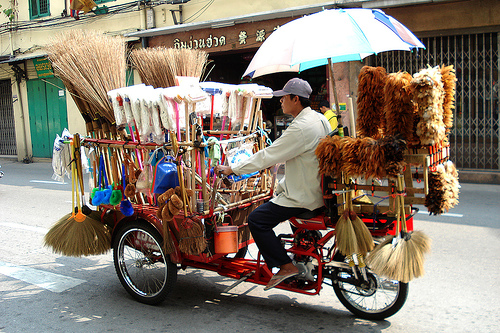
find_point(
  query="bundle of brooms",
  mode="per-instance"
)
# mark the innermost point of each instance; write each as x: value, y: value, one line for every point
x: 78, y: 234
x: 90, y: 64
x: 188, y: 229
x: 159, y: 66
x: 400, y: 257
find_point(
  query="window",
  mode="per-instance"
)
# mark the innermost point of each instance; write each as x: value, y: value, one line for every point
x: 39, y: 8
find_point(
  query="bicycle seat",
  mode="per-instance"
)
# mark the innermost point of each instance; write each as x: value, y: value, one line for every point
x: 311, y: 213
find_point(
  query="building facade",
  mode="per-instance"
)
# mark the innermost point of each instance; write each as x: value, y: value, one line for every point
x: 462, y: 33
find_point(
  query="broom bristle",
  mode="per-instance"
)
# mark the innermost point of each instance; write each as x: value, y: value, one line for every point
x: 93, y: 64
x: 377, y: 259
x: 75, y: 239
x: 406, y: 261
x: 191, y: 237
x: 168, y: 243
x: 346, y: 237
x: 159, y: 66
x: 363, y: 236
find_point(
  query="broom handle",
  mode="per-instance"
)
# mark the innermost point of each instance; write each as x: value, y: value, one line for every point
x: 78, y: 161
x: 72, y: 183
x: 402, y: 200
x: 179, y: 172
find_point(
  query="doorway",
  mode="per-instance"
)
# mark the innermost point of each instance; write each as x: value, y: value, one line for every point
x: 48, y: 113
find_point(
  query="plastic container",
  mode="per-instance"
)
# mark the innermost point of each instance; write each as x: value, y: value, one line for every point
x: 226, y: 239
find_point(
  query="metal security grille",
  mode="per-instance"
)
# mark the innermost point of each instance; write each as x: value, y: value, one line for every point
x: 7, y: 126
x: 475, y: 135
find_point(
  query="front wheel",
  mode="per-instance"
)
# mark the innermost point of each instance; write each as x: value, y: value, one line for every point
x: 376, y: 299
x: 141, y: 265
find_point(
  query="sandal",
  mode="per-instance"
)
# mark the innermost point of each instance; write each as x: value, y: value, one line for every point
x: 277, y: 279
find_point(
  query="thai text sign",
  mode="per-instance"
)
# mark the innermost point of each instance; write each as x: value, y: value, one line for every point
x: 43, y: 68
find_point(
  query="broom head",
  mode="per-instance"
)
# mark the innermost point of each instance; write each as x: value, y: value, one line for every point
x: 78, y: 235
x: 346, y: 237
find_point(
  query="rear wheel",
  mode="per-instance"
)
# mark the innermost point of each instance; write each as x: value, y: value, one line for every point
x: 141, y: 265
x: 376, y: 299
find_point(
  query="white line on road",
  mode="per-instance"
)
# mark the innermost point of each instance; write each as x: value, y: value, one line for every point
x: 445, y: 214
x: 50, y: 281
x: 48, y: 182
x: 24, y: 227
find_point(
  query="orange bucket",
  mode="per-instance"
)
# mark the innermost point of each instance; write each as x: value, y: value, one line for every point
x: 226, y: 239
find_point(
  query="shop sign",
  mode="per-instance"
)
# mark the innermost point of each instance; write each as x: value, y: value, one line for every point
x: 43, y: 68
x: 240, y: 36
x: 213, y: 41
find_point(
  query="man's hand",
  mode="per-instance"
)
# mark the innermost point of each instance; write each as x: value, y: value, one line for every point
x: 223, y: 170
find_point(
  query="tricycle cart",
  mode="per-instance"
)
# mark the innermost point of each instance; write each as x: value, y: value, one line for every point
x: 161, y: 208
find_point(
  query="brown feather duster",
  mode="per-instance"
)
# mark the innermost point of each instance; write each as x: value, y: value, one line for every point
x: 394, y: 148
x: 401, y: 113
x: 435, y: 199
x: 449, y: 83
x: 329, y: 156
x: 371, y: 82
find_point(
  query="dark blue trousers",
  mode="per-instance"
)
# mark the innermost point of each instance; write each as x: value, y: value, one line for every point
x: 261, y: 223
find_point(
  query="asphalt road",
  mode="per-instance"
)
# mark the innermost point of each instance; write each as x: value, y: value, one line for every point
x: 44, y: 292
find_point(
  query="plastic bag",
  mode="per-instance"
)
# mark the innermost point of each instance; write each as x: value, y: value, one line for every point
x: 145, y: 179
x: 61, y: 156
x: 237, y: 155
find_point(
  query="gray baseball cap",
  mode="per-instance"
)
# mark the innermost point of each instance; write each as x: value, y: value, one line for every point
x: 295, y: 86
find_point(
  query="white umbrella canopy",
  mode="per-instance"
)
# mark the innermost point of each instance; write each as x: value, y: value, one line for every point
x: 334, y: 35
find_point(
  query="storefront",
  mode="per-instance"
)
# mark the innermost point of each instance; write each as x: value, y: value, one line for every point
x: 231, y: 44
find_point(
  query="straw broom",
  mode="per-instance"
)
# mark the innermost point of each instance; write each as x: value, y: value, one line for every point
x: 159, y: 66
x: 346, y: 237
x: 364, y: 238
x: 407, y: 261
x: 378, y: 258
x: 94, y: 64
x: 191, y: 238
x: 402, y: 257
x: 76, y: 234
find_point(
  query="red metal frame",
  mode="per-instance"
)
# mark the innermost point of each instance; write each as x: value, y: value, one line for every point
x: 256, y: 271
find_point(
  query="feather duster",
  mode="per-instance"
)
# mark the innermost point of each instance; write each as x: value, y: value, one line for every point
x: 435, y: 199
x: 371, y: 82
x: 451, y: 184
x: 428, y: 92
x: 372, y: 158
x: 351, y: 162
x: 400, y: 112
x: 449, y: 83
x: 329, y: 156
x: 393, y: 148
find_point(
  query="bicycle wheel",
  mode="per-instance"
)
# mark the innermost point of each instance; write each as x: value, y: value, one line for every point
x: 376, y: 299
x: 141, y: 265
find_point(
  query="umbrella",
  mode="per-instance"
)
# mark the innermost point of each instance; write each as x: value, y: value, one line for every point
x: 330, y: 36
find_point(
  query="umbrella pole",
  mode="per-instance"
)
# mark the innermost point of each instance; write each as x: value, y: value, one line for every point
x: 334, y: 90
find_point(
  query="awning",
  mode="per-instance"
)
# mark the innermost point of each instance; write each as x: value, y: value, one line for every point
x: 230, y: 21
x: 21, y: 57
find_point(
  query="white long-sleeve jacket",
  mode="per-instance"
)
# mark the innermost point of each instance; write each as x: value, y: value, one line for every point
x: 301, y: 185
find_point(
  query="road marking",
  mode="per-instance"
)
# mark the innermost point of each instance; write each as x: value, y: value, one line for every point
x: 48, y: 182
x: 24, y: 227
x: 50, y: 281
x: 445, y: 214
